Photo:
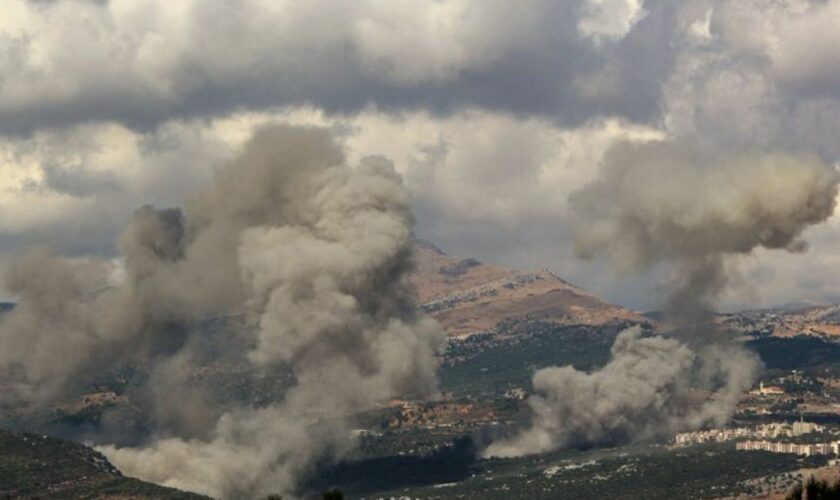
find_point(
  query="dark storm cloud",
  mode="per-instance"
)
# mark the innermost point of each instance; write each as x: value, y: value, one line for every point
x: 541, y: 64
x: 77, y: 182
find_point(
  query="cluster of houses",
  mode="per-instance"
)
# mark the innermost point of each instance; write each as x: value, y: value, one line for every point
x: 773, y: 430
x: 832, y: 448
x: 763, y: 433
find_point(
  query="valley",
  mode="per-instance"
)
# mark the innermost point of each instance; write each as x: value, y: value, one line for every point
x: 502, y: 325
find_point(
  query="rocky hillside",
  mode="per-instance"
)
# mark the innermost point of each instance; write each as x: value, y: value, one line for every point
x: 33, y: 466
x: 467, y: 296
x: 819, y: 321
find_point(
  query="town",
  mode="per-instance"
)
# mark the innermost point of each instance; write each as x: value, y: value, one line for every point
x: 772, y: 430
x: 763, y: 434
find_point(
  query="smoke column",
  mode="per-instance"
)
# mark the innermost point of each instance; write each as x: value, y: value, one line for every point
x: 312, y: 251
x: 671, y: 203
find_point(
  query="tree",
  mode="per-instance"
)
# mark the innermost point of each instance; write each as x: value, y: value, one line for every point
x: 815, y: 490
x: 333, y: 494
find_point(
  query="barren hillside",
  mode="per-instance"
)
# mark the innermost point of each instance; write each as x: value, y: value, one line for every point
x: 467, y: 296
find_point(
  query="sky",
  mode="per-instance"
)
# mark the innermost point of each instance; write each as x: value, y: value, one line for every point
x: 494, y: 112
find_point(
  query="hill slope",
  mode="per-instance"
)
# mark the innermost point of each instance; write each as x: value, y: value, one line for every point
x: 813, y: 320
x: 33, y: 466
x: 467, y: 296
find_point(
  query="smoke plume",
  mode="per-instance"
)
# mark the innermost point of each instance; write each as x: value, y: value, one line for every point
x: 651, y: 388
x: 673, y: 204
x: 312, y: 252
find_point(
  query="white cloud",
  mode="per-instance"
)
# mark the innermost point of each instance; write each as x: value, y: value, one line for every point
x: 440, y: 42
x: 474, y: 165
x: 484, y: 166
x: 143, y: 62
x: 492, y: 111
x: 609, y: 19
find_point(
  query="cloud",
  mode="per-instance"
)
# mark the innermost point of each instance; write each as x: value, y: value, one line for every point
x: 106, y: 106
x: 449, y: 165
x: 698, y: 135
x: 754, y: 74
x: 609, y: 19
x: 143, y: 63
x: 74, y: 189
x: 795, y: 37
x: 100, y: 173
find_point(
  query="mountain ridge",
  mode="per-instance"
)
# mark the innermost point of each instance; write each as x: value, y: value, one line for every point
x: 467, y: 296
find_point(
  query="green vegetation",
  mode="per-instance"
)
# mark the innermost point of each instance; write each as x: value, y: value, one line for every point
x: 508, y: 356
x: 333, y: 494
x: 650, y: 472
x: 419, y: 461
x: 43, y: 467
x: 795, y: 353
x: 495, y: 366
x: 451, y: 463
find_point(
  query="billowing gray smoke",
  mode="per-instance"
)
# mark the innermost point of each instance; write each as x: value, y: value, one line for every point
x: 669, y: 203
x: 651, y: 388
x: 311, y: 251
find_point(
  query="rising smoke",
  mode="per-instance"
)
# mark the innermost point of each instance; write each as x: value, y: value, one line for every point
x: 312, y: 252
x: 670, y: 203
x: 648, y: 389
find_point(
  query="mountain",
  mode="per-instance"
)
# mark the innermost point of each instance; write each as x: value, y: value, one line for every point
x: 813, y: 320
x: 538, y: 316
x: 818, y: 320
x: 467, y: 296
x: 34, y: 466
